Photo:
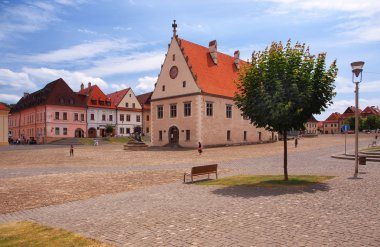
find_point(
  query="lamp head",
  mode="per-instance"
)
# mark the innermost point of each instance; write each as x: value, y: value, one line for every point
x: 357, y: 67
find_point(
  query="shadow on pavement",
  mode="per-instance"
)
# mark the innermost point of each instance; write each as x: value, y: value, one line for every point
x: 250, y: 191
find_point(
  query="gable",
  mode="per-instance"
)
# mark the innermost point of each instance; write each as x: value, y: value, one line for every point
x: 131, y: 99
x: 167, y: 86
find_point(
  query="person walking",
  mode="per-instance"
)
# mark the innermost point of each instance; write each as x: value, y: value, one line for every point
x: 295, y: 142
x: 200, y: 148
x: 71, y: 150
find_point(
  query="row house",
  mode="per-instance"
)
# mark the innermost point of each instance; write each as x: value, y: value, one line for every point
x: 370, y: 111
x: 4, y: 112
x: 333, y: 124
x: 350, y: 112
x: 101, y: 111
x: 311, y: 126
x: 144, y: 100
x: 193, y: 99
x: 51, y: 113
x: 128, y: 111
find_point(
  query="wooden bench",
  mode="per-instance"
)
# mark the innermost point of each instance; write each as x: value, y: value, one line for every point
x: 202, y: 170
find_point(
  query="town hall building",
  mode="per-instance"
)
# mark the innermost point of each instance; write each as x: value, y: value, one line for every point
x: 193, y: 99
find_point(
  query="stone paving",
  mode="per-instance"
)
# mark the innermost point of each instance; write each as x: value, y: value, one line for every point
x: 342, y: 212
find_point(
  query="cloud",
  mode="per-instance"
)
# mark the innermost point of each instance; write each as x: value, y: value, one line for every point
x: 344, y: 85
x: 118, y: 87
x: 82, y: 51
x: 9, y: 98
x: 137, y: 62
x: 73, y: 79
x: 146, y: 84
x: 16, y: 80
x: 122, y: 28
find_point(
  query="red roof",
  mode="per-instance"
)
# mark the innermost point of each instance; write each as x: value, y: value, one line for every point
x: 116, y: 97
x: 334, y: 117
x: 312, y: 119
x: 96, y: 97
x: 212, y: 78
x: 144, y: 100
x: 371, y: 110
x: 3, y: 107
x: 349, y: 112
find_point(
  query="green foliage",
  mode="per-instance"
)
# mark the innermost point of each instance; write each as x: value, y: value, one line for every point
x: 372, y: 123
x: 284, y: 86
x: 109, y: 128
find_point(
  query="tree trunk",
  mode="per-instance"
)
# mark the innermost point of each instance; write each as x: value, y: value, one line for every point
x: 285, y: 155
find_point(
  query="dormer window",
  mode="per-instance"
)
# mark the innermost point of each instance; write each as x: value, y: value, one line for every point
x: 71, y: 101
x: 108, y: 103
x: 61, y: 100
x: 93, y: 102
x: 101, y: 102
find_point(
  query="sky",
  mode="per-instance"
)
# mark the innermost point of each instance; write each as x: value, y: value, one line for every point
x: 118, y: 44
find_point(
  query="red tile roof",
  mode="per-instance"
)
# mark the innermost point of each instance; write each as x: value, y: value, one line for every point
x: 334, y: 117
x: 4, y: 107
x: 144, y: 100
x: 94, y: 93
x: 349, y: 112
x: 212, y: 78
x: 312, y: 119
x: 118, y: 96
x: 370, y: 110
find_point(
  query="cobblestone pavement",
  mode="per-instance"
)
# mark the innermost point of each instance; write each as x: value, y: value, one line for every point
x: 342, y: 212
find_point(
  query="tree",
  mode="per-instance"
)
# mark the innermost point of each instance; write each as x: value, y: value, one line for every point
x: 283, y: 86
x: 109, y: 129
x: 373, y: 122
x: 351, y: 121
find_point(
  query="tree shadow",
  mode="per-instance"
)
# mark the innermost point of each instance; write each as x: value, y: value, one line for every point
x: 257, y: 191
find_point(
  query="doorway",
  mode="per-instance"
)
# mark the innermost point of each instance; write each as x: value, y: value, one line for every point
x: 91, y: 133
x: 173, y: 135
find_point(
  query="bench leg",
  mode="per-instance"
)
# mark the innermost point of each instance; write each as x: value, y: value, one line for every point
x: 192, y: 178
x: 184, y: 178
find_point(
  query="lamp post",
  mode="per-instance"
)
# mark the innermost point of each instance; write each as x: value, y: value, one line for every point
x: 357, y: 69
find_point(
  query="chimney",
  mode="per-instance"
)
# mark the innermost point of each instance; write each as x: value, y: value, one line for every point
x: 81, y: 86
x: 213, y: 51
x: 25, y: 94
x: 237, y: 59
x: 89, y: 85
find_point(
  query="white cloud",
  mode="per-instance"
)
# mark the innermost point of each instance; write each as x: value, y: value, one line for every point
x: 129, y: 64
x: 195, y: 27
x: 122, y: 28
x: 17, y: 80
x: 9, y: 98
x: 73, y: 79
x: 82, y: 51
x: 118, y: 87
x: 146, y: 84
x: 344, y: 85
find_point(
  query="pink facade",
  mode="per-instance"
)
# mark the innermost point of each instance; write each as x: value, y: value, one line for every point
x: 48, y: 122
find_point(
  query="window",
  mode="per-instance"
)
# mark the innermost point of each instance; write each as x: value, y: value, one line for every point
x: 93, y: 102
x: 147, y: 130
x: 209, y: 109
x: 92, y: 116
x: 259, y: 136
x: 108, y: 103
x: 160, y: 111
x: 130, y: 95
x: 56, y: 116
x: 163, y: 88
x: 76, y: 117
x: 126, y: 104
x: 138, y: 118
x: 187, y: 135
x: 128, y: 118
x: 101, y: 102
x: 121, y: 117
x: 133, y: 105
x: 184, y: 84
x: 65, y: 116
x: 121, y: 130
x: 103, y: 117
x: 71, y: 101
x: 61, y: 100
x: 128, y: 130
x: 228, y: 135
x: 173, y: 110
x: 147, y: 117
x: 65, y: 131
x: 160, y: 135
x: 228, y: 111
x: 173, y: 57
x: 56, y: 131
x: 187, y: 109
x: 245, y: 135
x: 110, y: 118
x: 82, y: 117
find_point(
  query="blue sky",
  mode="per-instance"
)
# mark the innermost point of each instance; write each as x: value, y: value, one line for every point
x: 119, y: 44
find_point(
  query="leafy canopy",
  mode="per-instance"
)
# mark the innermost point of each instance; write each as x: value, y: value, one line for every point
x: 283, y: 86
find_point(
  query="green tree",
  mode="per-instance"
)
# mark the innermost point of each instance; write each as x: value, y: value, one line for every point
x: 283, y: 86
x: 373, y: 122
x: 351, y: 121
x: 109, y: 129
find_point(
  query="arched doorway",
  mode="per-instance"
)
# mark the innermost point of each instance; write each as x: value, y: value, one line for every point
x: 79, y: 133
x: 173, y: 135
x: 91, y: 133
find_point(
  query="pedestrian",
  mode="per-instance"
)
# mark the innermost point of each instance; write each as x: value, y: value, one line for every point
x: 296, y: 142
x: 71, y: 150
x: 200, y: 148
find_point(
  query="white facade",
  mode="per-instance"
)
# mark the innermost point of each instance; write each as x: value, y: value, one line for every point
x: 98, y: 119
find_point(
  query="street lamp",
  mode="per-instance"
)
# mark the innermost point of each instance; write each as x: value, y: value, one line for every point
x: 357, y: 69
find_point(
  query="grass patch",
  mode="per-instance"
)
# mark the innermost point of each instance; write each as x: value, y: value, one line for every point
x: 27, y: 233
x: 267, y: 180
x: 119, y: 139
x: 86, y: 141
x: 372, y: 149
